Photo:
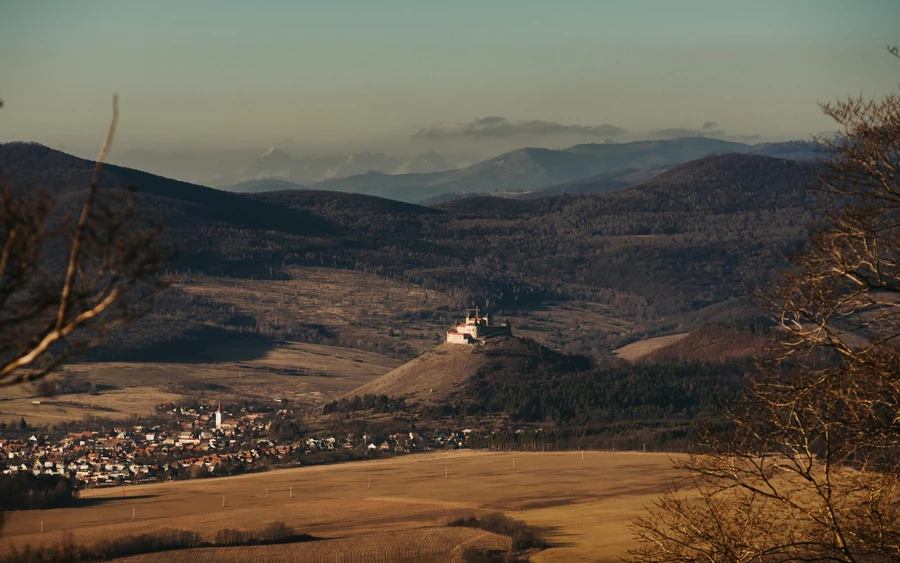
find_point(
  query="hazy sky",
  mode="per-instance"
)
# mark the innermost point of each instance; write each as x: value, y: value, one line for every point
x: 220, y: 74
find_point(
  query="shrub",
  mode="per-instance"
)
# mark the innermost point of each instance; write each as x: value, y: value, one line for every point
x: 523, y: 537
x: 274, y: 532
x: 67, y: 551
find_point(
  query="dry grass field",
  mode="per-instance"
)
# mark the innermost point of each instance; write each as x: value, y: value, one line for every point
x: 382, y: 510
x: 307, y: 374
x: 363, y: 307
x: 636, y: 350
x: 359, y: 306
x: 413, y: 546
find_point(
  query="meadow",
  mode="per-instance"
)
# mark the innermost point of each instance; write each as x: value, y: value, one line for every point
x: 641, y: 348
x: 381, y: 510
x: 306, y: 374
x: 373, y: 312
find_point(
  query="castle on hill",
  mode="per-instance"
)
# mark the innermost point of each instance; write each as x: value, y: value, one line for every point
x: 475, y: 328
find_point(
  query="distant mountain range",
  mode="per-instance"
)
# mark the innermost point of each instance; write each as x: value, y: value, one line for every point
x: 308, y: 170
x: 265, y: 185
x: 531, y: 172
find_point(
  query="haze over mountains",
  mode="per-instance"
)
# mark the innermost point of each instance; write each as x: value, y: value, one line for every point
x: 307, y: 170
x: 588, y: 168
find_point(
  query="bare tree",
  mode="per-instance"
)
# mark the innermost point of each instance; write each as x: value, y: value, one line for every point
x: 811, y: 469
x: 64, y: 283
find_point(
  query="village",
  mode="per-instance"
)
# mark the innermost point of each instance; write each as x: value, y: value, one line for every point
x: 200, y: 440
x: 196, y: 442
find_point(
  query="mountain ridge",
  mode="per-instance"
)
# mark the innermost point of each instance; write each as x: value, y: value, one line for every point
x: 544, y: 171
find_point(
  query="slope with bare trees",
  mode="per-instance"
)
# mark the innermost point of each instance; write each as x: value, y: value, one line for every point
x: 809, y: 471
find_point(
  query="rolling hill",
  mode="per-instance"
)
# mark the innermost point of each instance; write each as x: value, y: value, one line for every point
x: 265, y: 185
x: 581, y: 169
x: 180, y: 205
x: 653, y: 255
x: 529, y: 169
x: 709, y: 344
x: 511, y: 380
x: 402, y: 187
x: 449, y: 369
x: 276, y: 164
x: 598, y: 184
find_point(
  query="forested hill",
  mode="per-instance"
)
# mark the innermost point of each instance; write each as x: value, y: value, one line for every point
x: 510, y: 380
x: 210, y: 229
x: 536, y: 172
x: 180, y: 204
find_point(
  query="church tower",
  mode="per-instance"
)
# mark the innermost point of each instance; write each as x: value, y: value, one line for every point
x: 219, y: 416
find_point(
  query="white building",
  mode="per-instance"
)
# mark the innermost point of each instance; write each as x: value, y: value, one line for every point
x: 475, y: 328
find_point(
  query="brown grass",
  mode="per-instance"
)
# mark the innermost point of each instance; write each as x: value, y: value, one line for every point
x: 710, y: 344
x: 583, y: 506
x: 636, y: 350
x: 307, y: 374
x: 436, y: 544
x: 431, y: 377
x: 363, y: 307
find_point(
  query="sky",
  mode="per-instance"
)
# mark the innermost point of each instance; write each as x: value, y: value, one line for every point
x: 199, y: 75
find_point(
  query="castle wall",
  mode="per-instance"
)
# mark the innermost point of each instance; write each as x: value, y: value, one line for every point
x: 458, y: 338
x: 473, y: 329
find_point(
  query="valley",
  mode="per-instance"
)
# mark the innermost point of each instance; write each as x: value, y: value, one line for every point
x: 316, y: 321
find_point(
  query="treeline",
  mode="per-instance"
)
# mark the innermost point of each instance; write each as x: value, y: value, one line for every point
x: 609, y: 395
x: 523, y: 536
x: 165, y: 539
x: 26, y: 491
x: 628, y: 407
x: 375, y: 403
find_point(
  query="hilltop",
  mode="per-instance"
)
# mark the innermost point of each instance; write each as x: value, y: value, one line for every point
x: 449, y: 369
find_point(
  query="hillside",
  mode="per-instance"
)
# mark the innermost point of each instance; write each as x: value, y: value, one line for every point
x: 180, y: 205
x: 649, y: 256
x: 726, y: 183
x: 517, y: 381
x: 709, y: 344
x: 449, y: 369
x: 403, y: 187
x: 384, y: 510
x: 598, y: 184
x: 265, y: 185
